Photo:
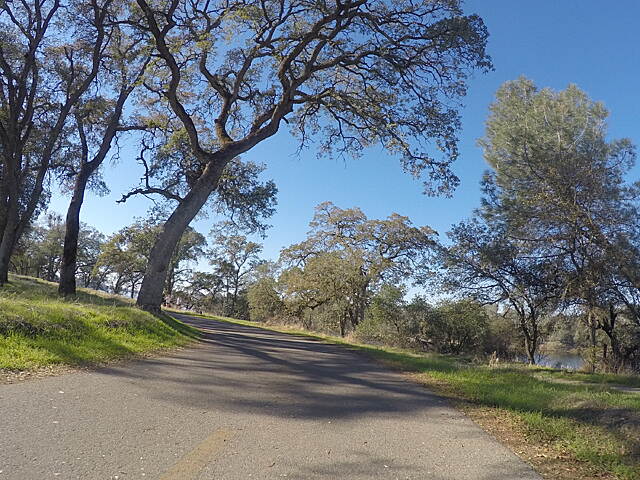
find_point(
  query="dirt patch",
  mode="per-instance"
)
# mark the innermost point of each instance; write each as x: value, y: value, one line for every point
x: 17, y: 376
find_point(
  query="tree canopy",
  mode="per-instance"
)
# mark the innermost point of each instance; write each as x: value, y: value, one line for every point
x: 557, y: 212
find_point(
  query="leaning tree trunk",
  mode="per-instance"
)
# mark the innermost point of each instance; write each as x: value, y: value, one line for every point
x: 67, y: 285
x: 150, y: 294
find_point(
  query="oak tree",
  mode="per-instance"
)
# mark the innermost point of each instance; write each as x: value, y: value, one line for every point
x: 342, y: 74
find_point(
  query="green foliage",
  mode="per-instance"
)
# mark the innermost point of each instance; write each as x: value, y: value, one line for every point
x: 39, y: 251
x: 264, y: 300
x: 244, y: 198
x: 236, y: 264
x: 557, y: 230
x: 254, y: 67
x: 456, y: 327
x: 189, y: 249
x: 38, y: 328
x: 329, y: 280
x: 503, y: 338
x: 389, y: 318
x: 234, y: 259
x: 346, y: 257
x: 123, y: 257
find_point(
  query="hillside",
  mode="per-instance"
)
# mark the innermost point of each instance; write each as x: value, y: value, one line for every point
x: 38, y: 328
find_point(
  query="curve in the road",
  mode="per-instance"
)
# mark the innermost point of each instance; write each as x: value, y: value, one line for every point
x: 244, y: 403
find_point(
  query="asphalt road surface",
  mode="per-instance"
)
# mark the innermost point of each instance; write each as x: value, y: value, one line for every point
x: 243, y: 404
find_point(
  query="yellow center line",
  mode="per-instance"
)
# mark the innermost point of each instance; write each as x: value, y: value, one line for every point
x: 194, y: 462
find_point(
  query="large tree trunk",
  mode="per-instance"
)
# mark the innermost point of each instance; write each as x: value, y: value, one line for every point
x: 150, y: 294
x: 608, y: 326
x: 16, y: 223
x: 9, y: 234
x: 343, y: 325
x: 593, y: 327
x: 531, y: 347
x: 234, y: 297
x: 6, y: 249
x: 4, y: 192
x: 117, y: 287
x: 67, y: 284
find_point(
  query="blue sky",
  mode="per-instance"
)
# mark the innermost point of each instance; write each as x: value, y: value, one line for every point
x: 590, y: 43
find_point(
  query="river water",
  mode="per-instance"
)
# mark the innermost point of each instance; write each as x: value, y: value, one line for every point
x: 566, y: 361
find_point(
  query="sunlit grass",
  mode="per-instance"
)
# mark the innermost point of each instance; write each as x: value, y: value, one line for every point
x: 38, y: 328
x: 601, y: 378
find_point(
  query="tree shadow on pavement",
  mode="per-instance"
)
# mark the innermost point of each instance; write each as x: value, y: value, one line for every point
x: 245, y: 368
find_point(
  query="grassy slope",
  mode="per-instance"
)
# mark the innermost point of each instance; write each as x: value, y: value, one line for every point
x: 38, y: 328
x: 588, y: 429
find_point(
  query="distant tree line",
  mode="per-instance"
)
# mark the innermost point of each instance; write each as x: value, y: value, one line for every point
x: 552, y: 255
x: 116, y: 263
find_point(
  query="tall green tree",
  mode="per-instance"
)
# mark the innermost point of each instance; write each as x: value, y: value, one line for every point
x: 555, y: 201
x: 234, y: 258
x: 97, y: 120
x: 348, y: 74
x: 347, y: 256
x: 558, y: 183
x: 484, y: 263
x: 263, y: 294
x: 456, y: 326
x: 50, y: 56
x: 330, y: 282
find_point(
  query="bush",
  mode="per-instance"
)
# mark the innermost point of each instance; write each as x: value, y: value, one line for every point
x: 264, y: 301
x: 501, y: 337
x: 388, y: 319
x: 456, y: 327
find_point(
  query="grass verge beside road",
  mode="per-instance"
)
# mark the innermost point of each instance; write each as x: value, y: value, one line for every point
x: 40, y: 329
x: 566, y: 430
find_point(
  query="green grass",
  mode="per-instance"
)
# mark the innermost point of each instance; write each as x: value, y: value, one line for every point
x: 589, y: 422
x: 38, y: 328
x: 599, y: 378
